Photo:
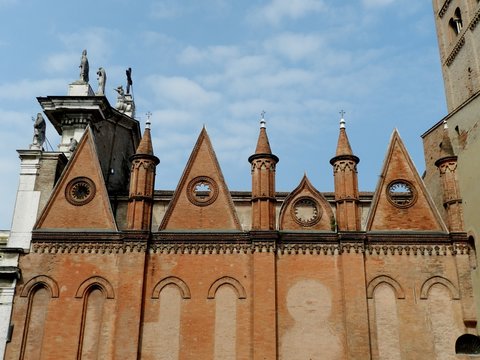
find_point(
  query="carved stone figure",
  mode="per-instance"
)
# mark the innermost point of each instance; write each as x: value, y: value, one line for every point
x: 120, y: 105
x: 73, y: 145
x: 102, y: 79
x: 129, y: 79
x: 84, y: 67
x: 39, y: 128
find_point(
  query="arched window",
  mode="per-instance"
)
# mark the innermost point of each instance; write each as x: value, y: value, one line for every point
x: 467, y: 344
x: 456, y: 22
x: 39, y: 291
x: 97, y: 319
x: 92, y: 323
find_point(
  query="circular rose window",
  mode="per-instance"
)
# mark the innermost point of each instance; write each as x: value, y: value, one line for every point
x: 401, y: 193
x: 80, y: 191
x: 202, y: 191
x: 306, y: 212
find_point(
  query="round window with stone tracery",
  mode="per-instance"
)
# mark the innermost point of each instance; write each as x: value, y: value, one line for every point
x: 401, y: 193
x: 306, y: 211
x: 80, y: 191
x: 202, y: 191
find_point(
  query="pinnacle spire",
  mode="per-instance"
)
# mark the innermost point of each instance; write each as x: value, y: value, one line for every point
x: 263, y: 146
x: 446, y: 148
x: 343, y: 145
x: 145, y: 146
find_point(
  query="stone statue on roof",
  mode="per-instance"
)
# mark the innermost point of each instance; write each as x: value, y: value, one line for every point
x: 129, y: 79
x: 102, y: 79
x: 39, y: 128
x: 84, y: 67
x: 72, y: 145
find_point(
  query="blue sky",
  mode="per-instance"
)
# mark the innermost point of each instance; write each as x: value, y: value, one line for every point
x: 219, y: 63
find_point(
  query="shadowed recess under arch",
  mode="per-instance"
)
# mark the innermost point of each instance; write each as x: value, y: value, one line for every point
x: 399, y: 293
x: 427, y: 285
x: 40, y: 280
x: 227, y: 280
x: 171, y: 280
x: 96, y: 281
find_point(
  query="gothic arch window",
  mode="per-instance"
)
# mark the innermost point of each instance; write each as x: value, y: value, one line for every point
x: 162, y: 332
x: 226, y: 291
x: 226, y: 315
x: 96, y: 318
x: 456, y: 22
x: 39, y: 291
x: 387, y: 321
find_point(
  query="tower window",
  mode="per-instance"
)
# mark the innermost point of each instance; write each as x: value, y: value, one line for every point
x: 456, y: 22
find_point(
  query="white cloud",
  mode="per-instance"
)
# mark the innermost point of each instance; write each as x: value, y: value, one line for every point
x: 277, y: 10
x: 182, y: 91
x: 295, y: 46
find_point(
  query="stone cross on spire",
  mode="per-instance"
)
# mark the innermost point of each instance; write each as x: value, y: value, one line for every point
x: 147, y: 124
x: 342, y: 120
x: 262, y: 120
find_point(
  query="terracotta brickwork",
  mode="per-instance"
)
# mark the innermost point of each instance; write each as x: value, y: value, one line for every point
x: 298, y: 284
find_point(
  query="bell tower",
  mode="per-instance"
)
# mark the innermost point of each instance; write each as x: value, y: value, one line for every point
x: 459, y: 44
x: 346, y: 183
x: 263, y: 182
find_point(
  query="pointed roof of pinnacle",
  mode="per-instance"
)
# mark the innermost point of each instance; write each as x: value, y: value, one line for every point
x: 263, y: 145
x: 145, y: 147
x: 343, y: 145
x: 446, y: 148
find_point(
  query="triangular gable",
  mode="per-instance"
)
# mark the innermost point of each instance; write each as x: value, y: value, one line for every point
x: 401, y: 201
x: 306, y: 209
x: 202, y: 199
x: 80, y: 199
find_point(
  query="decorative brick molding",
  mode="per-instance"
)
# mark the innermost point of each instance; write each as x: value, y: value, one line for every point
x: 384, y: 279
x: 88, y: 247
x: 282, y: 243
x: 171, y: 280
x: 230, y: 281
x: 95, y: 282
x: 427, y: 285
x: 40, y: 281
